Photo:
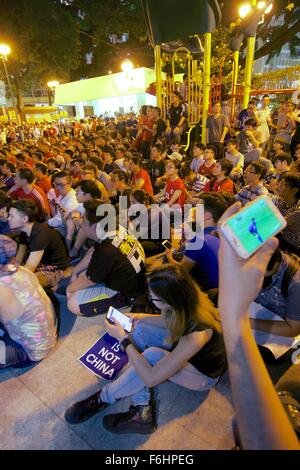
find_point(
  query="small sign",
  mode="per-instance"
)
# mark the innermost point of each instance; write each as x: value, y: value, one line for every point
x: 104, y: 358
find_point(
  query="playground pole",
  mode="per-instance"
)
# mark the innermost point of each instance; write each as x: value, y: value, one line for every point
x: 157, y: 55
x: 206, y: 83
x: 235, y: 74
x: 249, y: 65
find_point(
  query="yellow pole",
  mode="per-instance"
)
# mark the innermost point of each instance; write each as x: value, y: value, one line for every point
x: 157, y: 55
x: 248, y: 68
x: 235, y: 75
x: 206, y: 83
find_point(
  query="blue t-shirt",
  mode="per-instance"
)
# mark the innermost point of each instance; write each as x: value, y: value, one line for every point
x: 4, y: 227
x: 206, y: 269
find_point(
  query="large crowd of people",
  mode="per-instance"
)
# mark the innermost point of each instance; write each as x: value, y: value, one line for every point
x: 63, y: 228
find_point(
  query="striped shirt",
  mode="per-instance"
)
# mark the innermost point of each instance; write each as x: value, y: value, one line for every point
x: 36, y: 195
x: 292, y: 215
x: 248, y: 194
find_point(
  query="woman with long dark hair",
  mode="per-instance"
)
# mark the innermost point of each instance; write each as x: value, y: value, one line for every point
x: 183, y: 344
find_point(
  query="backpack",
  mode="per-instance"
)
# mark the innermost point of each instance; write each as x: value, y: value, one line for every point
x: 291, y: 270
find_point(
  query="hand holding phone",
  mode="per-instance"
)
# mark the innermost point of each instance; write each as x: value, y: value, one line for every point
x: 248, y: 229
x: 115, y: 315
x: 167, y: 244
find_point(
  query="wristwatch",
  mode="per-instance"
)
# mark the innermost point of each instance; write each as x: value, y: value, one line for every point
x: 125, y: 343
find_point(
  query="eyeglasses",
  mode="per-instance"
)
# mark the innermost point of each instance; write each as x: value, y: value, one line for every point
x: 60, y: 185
x: 152, y: 299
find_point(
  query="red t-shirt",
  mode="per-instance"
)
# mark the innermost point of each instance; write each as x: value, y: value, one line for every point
x: 37, y: 195
x: 206, y: 170
x: 146, y: 134
x: 226, y: 185
x: 173, y: 186
x: 44, y: 183
x: 143, y: 175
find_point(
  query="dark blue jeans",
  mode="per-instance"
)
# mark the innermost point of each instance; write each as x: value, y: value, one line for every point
x: 15, y: 355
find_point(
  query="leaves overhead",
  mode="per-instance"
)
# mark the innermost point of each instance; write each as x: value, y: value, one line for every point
x: 51, y: 38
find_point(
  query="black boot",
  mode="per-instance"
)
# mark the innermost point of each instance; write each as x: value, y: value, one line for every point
x: 139, y: 419
x: 85, y: 409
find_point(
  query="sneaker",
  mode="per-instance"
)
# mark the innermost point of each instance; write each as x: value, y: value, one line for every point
x: 139, y: 419
x: 85, y: 409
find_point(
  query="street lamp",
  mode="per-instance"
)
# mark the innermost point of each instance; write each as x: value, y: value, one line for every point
x: 52, y: 85
x: 4, y: 52
x: 127, y: 65
x: 244, y: 10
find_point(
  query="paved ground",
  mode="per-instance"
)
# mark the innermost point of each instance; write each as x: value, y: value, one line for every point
x: 33, y: 402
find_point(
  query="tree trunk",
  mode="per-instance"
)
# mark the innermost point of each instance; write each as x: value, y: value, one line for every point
x: 20, y: 102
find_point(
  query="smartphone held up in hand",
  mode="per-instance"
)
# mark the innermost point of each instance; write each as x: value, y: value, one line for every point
x: 167, y: 244
x: 115, y: 315
x: 252, y: 226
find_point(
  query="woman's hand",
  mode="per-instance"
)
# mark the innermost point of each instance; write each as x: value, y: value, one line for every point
x: 240, y: 280
x: 169, y: 256
x: 115, y: 330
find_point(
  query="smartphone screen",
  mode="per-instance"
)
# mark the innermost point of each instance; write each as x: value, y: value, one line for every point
x: 114, y: 314
x: 167, y: 244
x: 255, y: 224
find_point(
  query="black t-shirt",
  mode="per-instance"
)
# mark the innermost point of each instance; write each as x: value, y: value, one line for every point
x: 110, y: 167
x: 175, y: 114
x: 211, y: 359
x: 156, y: 169
x: 119, y: 263
x: 43, y: 237
x: 160, y: 127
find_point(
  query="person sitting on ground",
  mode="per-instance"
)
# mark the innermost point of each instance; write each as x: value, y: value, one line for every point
x: 156, y: 165
x: 103, y: 177
x: 89, y: 172
x: 119, y: 181
x: 254, y: 175
x: 65, y: 203
x: 52, y: 166
x: 43, y: 181
x: 182, y: 344
x: 280, y: 299
x: 288, y: 202
x: 174, y: 192
x: 279, y: 147
x: 207, y: 167
x: 5, y: 204
x: 282, y: 164
x: 249, y: 141
x: 235, y: 158
x: 109, y: 160
x: 8, y: 172
x: 262, y: 423
x: 41, y: 248
x: 200, y: 255
x: 198, y: 156
x: 86, y: 190
x: 113, y: 270
x: 221, y: 180
x: 140, y: 177
x: 150, y: 233
x: 25, y: 189
x: 27, y: 319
